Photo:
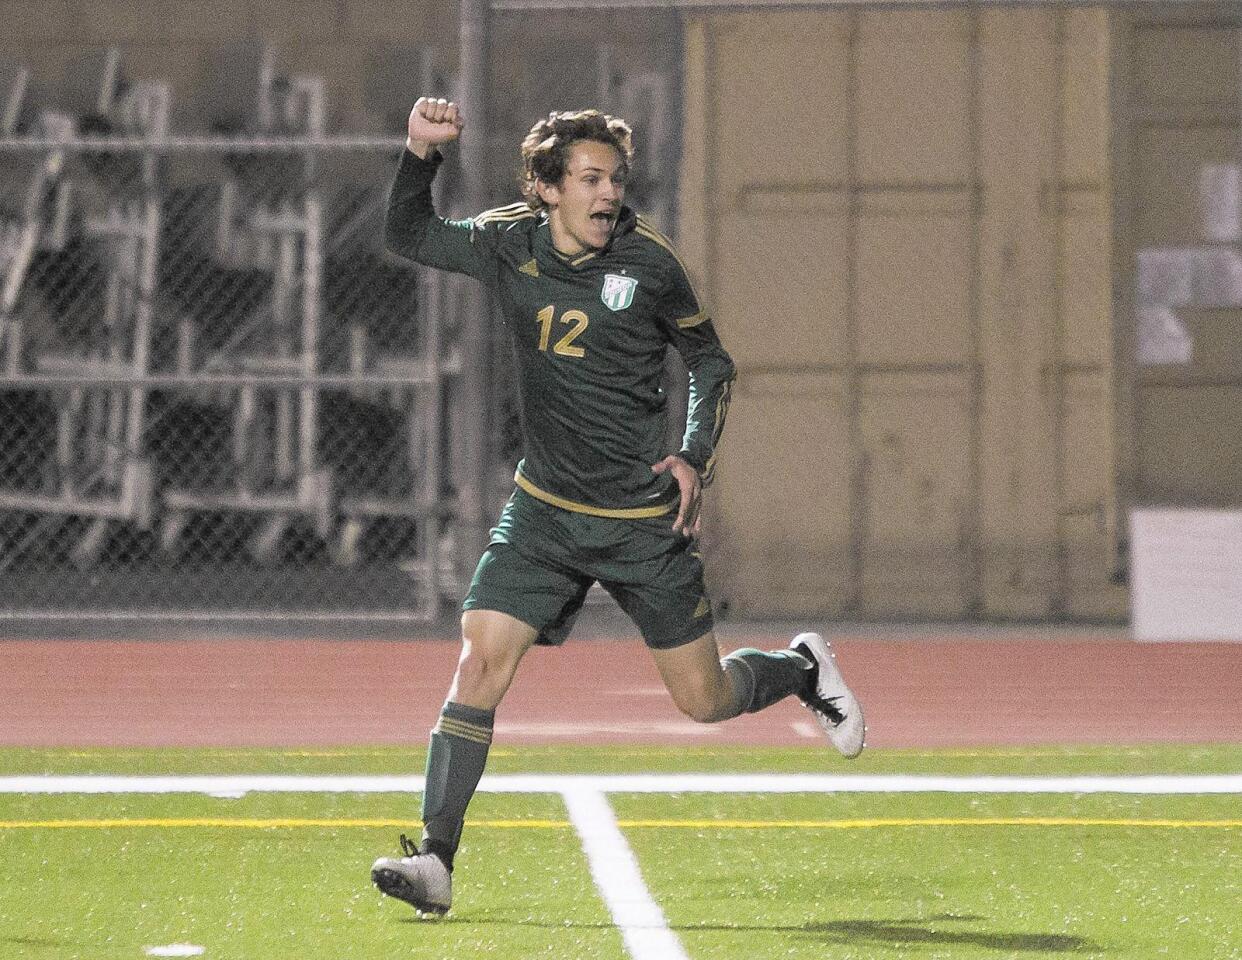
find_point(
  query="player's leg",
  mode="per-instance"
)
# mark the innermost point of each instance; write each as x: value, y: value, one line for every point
x: 515, y: 599
x: 708, y: 688
x: 656, y: 576
x: 659, y: 582
x: 493, y: 644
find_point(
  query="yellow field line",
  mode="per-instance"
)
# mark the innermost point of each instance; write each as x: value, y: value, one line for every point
x: 926, y: 822
x: 868, y: 824
x: 226, y: 752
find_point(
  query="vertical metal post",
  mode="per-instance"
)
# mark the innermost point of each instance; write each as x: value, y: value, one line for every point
x: 1058, y: 602
x: 860, y: 476
x: 426, y: 428
x: 974, y: 592
x: 104, y: 436
x: 312, y: 284
x: 140, y: 360
x: 474, y: 54
x: 66, y: 423
x: 1124, y: 178
x: 283, y: 292
x: 13, y: 100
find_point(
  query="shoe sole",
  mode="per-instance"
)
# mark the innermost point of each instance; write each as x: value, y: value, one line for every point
x: 394, y: 885
x: 852, y: 708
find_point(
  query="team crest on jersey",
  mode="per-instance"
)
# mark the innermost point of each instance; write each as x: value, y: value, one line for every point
x: 618, y: 292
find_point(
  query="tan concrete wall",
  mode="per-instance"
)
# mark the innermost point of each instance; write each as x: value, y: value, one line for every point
x: 902, y: 221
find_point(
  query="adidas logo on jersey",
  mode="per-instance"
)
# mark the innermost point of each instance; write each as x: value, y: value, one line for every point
x: 530, y: 268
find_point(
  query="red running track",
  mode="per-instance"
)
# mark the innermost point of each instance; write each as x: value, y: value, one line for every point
x: 920, y: 690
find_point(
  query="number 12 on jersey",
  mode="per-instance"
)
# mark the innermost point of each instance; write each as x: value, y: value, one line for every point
x: 577, y: 321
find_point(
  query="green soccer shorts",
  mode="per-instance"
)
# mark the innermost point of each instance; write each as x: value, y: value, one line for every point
x: 542, y: 560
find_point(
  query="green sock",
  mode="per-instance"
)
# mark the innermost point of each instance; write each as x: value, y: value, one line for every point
x: 761, y: 679
x: 455, y: 762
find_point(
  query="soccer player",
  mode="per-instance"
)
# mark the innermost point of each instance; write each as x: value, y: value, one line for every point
x: 592, y: 296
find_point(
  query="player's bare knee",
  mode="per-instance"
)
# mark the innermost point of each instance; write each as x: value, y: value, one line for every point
x: 702, y: 702
x: 705, y: 712
x: 482, y: 676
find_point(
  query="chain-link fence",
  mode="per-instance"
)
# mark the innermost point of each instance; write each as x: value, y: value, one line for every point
x: 218, y: 393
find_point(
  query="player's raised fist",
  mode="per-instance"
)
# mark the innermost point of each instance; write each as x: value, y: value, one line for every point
x: 433, y: 122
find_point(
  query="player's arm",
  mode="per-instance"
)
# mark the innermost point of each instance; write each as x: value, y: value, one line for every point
x: 711, y: 382
x: 412, y: 228
x: 711, y: 378
x: 711, y: 369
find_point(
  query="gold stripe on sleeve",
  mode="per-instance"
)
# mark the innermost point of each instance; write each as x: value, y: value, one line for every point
x: 514, y: 211
x: 722, y: 411
x: 644, y: 229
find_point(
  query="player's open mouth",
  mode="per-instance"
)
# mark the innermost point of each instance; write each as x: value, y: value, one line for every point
x: 604, y: 216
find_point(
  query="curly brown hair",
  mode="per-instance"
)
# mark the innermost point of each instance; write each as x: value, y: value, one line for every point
x: 545, y: 151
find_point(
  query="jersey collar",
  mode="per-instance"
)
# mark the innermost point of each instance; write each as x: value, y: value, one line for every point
x: 543, y: 239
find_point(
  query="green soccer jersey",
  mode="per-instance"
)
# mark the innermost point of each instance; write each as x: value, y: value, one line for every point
x: 590, y: 335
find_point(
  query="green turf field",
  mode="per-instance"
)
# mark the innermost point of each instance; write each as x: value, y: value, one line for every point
x: 746, y: 875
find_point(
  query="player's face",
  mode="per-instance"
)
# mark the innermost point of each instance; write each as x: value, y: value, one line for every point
x: 583, y: 207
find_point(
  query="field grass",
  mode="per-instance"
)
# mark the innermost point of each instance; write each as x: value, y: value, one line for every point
x: 745, y: 876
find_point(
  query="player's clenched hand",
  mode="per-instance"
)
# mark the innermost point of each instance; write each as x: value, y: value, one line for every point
x: 691, y: 486
x: 432, y: 122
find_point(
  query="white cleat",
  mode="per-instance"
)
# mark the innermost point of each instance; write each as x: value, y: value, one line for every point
x: 836, y: 709
x: 420, y: 879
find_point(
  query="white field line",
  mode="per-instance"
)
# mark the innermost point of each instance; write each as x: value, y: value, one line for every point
x: 615, y: 870
x: 631, y: 783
